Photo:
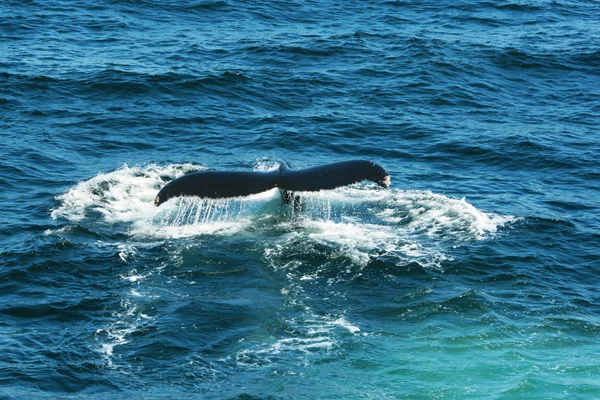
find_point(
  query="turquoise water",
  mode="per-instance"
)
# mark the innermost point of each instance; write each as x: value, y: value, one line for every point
x: 475, y: 276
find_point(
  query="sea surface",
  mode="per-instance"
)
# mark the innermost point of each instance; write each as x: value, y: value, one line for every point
x: 475, y: 276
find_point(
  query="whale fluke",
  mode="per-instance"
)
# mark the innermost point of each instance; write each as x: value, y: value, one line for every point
x: 223, y: 184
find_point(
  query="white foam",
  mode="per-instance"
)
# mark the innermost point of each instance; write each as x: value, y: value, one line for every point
x: 364, y: 222
x: 312, y: 336
x: 413, y: 211
x: 345, y: 324
x: 126, y: 251
x: 121, y: 195
x: 127, y: 194
x: 135, y: 278
x: 436, y: 215
x: 362, y: 219
x: 358, y: 240
x: 125, y: 322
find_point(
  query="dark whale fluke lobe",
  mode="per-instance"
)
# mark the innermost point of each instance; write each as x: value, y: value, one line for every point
x: 223, y: 184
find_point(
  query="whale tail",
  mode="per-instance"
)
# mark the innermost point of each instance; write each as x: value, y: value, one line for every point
x: 223, y: 184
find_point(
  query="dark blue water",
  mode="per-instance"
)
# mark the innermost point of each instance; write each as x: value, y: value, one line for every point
x: 474, y: 277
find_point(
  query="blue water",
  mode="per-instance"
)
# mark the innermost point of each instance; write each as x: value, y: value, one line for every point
x: 475, y: 276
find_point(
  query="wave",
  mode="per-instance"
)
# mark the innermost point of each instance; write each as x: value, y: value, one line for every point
x: 124, y: 82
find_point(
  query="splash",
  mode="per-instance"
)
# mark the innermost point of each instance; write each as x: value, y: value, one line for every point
x: 122, y: 195
x: 438, y: 216
x: 126, y: 196
x: 363, y: 220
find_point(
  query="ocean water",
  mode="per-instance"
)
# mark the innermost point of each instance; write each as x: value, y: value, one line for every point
x: 475, y: 276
